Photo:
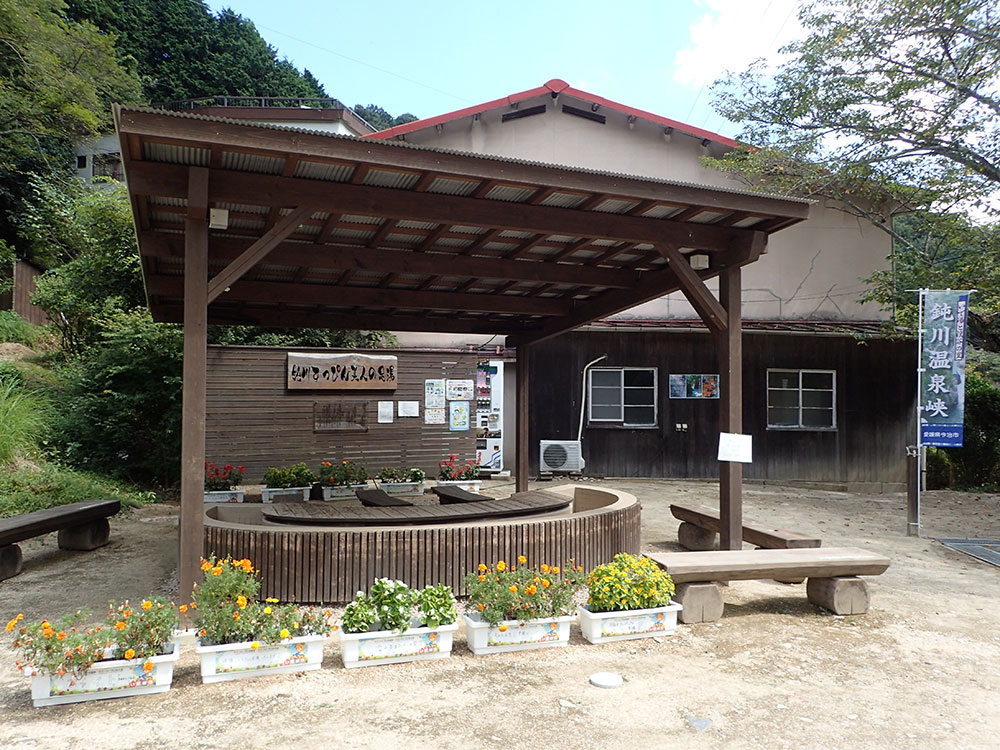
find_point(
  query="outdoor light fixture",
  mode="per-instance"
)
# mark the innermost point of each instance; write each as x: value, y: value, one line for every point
x: 705, y: 142
x: 667, y: 133
x: 698, y: 261
x: 594, y: 107
x: 631, y: 122
x: 218, y: 218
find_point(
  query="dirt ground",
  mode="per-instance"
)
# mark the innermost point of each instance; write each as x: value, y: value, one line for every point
x: 920, y: 670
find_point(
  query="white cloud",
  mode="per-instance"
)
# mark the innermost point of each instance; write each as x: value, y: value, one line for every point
x: 731, y: 34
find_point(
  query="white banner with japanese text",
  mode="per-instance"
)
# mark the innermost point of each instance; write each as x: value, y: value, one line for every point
x: 942, y: 363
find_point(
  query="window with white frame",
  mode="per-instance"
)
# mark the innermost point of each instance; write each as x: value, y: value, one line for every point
x: 624, y: 396
x: 801, y: 399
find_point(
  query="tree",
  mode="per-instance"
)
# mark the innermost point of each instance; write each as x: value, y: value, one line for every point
x: 903, y: 91
x: 379, y: 119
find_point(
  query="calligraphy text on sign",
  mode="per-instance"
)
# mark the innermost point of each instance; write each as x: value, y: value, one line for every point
x: 341, y: 371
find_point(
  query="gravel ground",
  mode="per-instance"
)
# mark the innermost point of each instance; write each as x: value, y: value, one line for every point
x: 920, y: 670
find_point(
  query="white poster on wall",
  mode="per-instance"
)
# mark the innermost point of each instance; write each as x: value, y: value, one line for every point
x: 434, y: 416
x: 409, y: 408
x: 385, y: 412
x: 459, y: 390
x: 736, y: 447
x: 458, y: 415
x: 434, y: 394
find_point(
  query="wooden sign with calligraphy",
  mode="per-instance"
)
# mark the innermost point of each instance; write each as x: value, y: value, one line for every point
x: 341, y: 371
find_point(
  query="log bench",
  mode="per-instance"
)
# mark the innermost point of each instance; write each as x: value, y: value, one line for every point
x: 700, y: 526
x: 832, y: 575
x: 81, y: 526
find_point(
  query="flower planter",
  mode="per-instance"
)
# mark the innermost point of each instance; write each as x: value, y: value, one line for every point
x: 115, y: 678
x: 342, y: 491
x: 541, y: 633
x: 403, y: 489
x: 470, y: 485
x: 604, y: 627
x: 224, y: 496
x: 387, y: 647
x: 267, y: 494
x: 235, y: 661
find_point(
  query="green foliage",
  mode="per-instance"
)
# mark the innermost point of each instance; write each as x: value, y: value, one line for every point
x: 342, y: 474
x: 24, y: 419
x: 220, y: 478
x: 317, y: 337
x: 977, y: 462
x: 28, y: 487
x: 359, y: 615
x: 628, y: 582
x: 390, y: 605
x: 437, y: 606
x: 379, y: 119
x: 517, y: 592
x: 296, y: 475
x: 126, y: 398
x: 15, y: 329
x: 65, y: 646
x: 389, y: 474
x: 141, y: 630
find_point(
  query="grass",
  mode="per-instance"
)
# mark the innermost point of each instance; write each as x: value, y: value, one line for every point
x: 24, y: 418
x: 26, y: 487
x: 17, y: 330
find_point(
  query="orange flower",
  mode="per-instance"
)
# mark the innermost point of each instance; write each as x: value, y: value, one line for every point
x: 60, y: 636
x: 203, y: 633
x: 480, y: 607
x: 530, y: 590
x: 192, y: 606
x: 241, y: 601
x: 512, y: 589
x: 545, y: 568
x: 521, y: 559
x: 555, y: 570
x: 217, y: 570
x: 501, y: 566
x: 119, y: 625
x: 481, y: 578
x: 146, y: 604
x: 205, y: 564
x: 482, y: 568
x: 545, y: 583
x: 183, y: 608
x: 502, y: 628
x: 236, y: 615
x: 130, y: 653
x: 148, y: 667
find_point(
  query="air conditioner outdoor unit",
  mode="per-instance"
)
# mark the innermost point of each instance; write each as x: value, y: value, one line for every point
x: 564, y: 456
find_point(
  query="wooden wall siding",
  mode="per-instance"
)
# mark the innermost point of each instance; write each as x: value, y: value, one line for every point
x: 875, y: 407
x: 19, y: 300
x: 331, y: 566
x: 254, y: 420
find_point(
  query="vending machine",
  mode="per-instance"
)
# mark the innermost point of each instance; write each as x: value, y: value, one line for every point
x: 489, y: 415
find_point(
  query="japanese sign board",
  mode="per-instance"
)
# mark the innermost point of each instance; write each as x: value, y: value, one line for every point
x: 341, y: 371
x: 942, y: 368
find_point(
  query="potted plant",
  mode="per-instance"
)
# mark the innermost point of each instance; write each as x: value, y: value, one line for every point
x: 383, y: 627
x: 238, y: 636
x: 340, y: 480
x: 296, y: 479
x: 70, y: 661
x: 514, y: 607
x: 629, y: 597
x: 220, y: 481
x: 401, y: 481
x: 464, y: 476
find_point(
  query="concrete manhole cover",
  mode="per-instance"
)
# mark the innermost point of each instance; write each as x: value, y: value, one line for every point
x: 987, y: 550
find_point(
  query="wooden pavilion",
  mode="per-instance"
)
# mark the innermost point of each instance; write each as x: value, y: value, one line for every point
x: 243, y: 224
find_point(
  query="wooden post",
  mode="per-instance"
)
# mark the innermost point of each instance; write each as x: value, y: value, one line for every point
x: 193, y: 402
x: 730, y: 346
x: 521, y: 459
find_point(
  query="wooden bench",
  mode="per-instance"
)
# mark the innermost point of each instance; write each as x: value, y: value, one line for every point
x: 449, y: 494
x: 380, y: 499
x: 700, y: 525
x: 81, y: 526
x: 832, y: 575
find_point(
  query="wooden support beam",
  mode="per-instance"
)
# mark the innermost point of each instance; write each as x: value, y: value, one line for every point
x: 167, y: 180
x: 730, y: 347
x: 701, y: 299
x: 256, y: 252
x: 522, y: 455
x: 195, y: 284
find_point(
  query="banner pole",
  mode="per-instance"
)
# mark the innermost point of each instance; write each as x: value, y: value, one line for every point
x: 914, y: 462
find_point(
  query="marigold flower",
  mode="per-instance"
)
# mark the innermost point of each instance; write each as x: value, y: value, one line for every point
x: 555, y: 570
x: 267, y: 610
x: 217, y: 570
x: 501, y: 566
x: 146, y: 604
x: 148, y: 667
x: 502, y: 628
x: 11, y: 625
x: 183, y: 608
x: 120, y: 625
x: 236, y: 615
x: 192, y: 606
x: 60, y: 636
x: 480, y: 607
x: 512, y: 589
x: 130, y: 653
x: 284, y: 633
x: 482, y: 567
x: 521, y: 559
x: 241, y: 601
x: 545, y: 583
x: 255, y: 645
x: 203, y: 633
x: 530, y: 590
x: 482, y: 578
x: 545, y: 568
x: 206, y: 565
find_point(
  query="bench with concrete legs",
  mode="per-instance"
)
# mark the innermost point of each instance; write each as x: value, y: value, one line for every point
x: 81, y: 526
x: 832, y: 575
x: 700, y: 526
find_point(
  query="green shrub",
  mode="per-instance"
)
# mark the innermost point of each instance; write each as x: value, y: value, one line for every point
x: 15, y: 329
x: 28, y: 488
x: 297, y: 475
x: 977, y: 463
x: 23, y: 421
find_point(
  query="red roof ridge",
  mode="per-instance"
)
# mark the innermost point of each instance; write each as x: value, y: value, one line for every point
x: 554, y: 87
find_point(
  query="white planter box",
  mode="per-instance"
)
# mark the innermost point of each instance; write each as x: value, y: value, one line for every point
x: 531, y: 634
x: 402, y: 489
x: 224, y: 496
x: 116, y: 678
x: 235, y: 661
x: 387, y: 647
x: 604, y: 627
x: 470, y: 485
x: 268, y: 493
x: 342, y: 492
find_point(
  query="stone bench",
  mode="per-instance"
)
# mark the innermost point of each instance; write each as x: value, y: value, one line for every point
x: 700, y: 526
x: 832, y: 575
x: 81, y: 526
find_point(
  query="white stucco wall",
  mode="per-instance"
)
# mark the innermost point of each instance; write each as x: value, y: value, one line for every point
x: 811, y: 270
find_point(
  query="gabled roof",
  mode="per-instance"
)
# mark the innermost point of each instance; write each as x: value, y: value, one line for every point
x: 553, y: 88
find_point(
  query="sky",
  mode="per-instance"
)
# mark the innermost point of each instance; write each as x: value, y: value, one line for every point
x: 434, y: 57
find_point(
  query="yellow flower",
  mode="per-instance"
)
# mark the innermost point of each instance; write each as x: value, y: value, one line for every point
x: 545, y: 583
x: 555, y: 570
x: 521, y: 559
x: 119, y: 625
x: 146, y: 604
x: 255, y: 645
x: 284, y: 633
x: 183, y: 608
x: 267, y: 610
x: 130, y: 653
x: 205, y: 564
x: 512, y: 589
x: 501, y: 566
x: 241, y: 601
x: 502, y: 628
x: 545, y: 568
x: 148, y: 667
x: 217, y: 570
x: 482, y: 567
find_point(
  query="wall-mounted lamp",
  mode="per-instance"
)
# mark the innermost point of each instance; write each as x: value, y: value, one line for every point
x: 699, y: 261
x: 631, y: 122
x: 218, y: 218
x: 667, y: 133
x: 705, y: 142
x: 594, y: 107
